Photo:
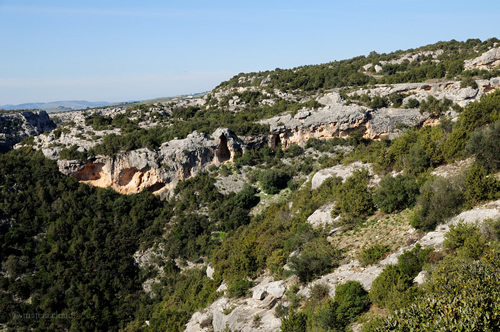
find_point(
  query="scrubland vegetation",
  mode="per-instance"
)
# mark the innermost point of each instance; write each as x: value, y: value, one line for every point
x: 68, y: 248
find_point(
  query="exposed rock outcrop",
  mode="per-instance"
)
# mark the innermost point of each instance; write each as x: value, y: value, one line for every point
x: 343, y: 171
x: 338, y: 120
x: 16, y: 126
x: 254, y: 314
x: 240, y: 314
x: 450, y: 90
x: 486, y: 60
x: 157, y: 171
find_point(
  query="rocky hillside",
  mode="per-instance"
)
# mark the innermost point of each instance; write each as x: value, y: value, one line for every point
x: 318, y: 198
x: 14, y: 127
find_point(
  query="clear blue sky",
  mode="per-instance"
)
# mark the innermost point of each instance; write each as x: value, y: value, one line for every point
x: 129, y: 50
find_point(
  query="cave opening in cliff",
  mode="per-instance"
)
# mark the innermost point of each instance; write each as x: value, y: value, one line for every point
x: 126, y: 176
x: 275, y: 142
x: 157, y: 186
x: 223, y: 153
x: 91, y: 172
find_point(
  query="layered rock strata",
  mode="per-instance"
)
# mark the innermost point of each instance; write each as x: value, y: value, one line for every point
x: 156, y: 171
x: 451, y: 90
x: 486, y: 60
x: 335, y: 119
x: 16, y: 126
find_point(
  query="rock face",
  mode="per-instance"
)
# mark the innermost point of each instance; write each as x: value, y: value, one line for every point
x: 16, y: 126
x: 338, y: 170
x: 254, y: 314
x: 486, y: 60
x: 338, y: 120
x: 158, y: 171
x: 449, y: 90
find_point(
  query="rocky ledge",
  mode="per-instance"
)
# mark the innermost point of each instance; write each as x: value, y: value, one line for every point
x: 156, y: 171
x: 15, y: 127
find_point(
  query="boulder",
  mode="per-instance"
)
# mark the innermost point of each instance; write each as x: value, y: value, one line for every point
x: 338, y: 170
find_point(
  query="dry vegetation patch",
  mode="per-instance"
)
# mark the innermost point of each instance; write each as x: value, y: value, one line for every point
x: 393, y: 230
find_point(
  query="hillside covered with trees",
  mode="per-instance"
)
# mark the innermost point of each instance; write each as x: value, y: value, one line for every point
x: 90, y: 258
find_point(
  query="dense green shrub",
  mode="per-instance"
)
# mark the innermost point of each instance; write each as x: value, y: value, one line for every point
x: 326, y: 316
x: 394, y: 288
x: 396, y: 193
x: 475, y: 115
x: 485, y: 145
x: 272, y: 180
x: 378, y: 102
x: 373, y: 253
x: 416, y: 161
x: 479, y: 186
x: 467, y: 239
x: 295, y: 322
x: 396, y: 99
x: 293, y: 151
x: 355, y: 200
x: 352, y: 300
x: 412, y: 103
x: 465, y: 300
x: 239, y: 288
x: 72, y: 153
x: 440, y: 198
x: 317, y: 257
x: 435, y: 106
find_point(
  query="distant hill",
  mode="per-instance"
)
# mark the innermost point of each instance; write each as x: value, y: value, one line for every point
x: 57, y: 106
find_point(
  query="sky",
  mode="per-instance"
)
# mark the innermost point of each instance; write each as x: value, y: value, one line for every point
x: 124, y: 50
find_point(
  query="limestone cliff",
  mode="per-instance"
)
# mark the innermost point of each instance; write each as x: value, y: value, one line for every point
x: 486, y: 60
x: 156, y: 171
x: 15, y: 127
x: 335, y: 119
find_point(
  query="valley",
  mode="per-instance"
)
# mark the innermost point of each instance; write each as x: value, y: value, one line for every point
x: 347, y: 196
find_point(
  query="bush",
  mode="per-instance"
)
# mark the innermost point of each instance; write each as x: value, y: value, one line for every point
x: 417, y: 160
x: 272, y: 180
x: 467, y: 239
x: 389, y: 286
x: 352, y: 300
x: 72, y: 153
x: 355, y: 201
x: 394, y: 288
x: 474, y: 116
x: 293, y: 150
x: 378, y: 102
x: 434, y: 106
x: 246, y: 197
x: 326, y: 317
x: 467, y: 300
x: 295, y: 322
x: 373, y: 253
x: 396, y: 99
x: 440, y: 198
x: 319, y: 292
x: 396, y: 193
x: 479, y: 186
x: 239, y: 288
x: 485, y: 145
x: 317, y: 257
x: 412, y: 103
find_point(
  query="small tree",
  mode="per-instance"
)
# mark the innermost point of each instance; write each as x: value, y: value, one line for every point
x: 485, y: 145
x: 355, y: 201
x: 352, y: 300
x: 272, y: 180
x: 440, y: 198
x: 396, y: 193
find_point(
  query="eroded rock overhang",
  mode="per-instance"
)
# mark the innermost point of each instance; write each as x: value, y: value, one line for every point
x: 156, y: 171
